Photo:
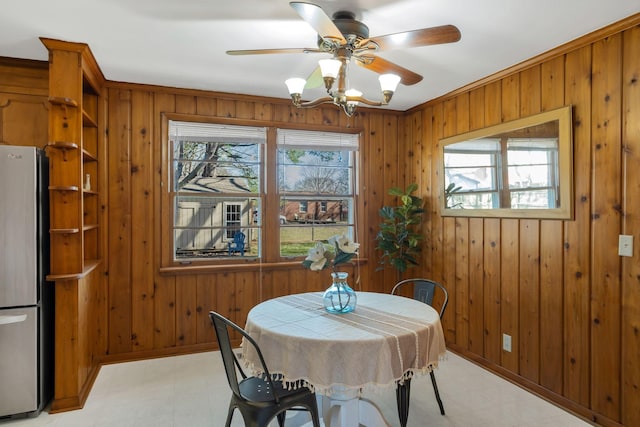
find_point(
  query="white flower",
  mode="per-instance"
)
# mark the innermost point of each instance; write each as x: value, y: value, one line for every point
x: 317, y: 257
x: 344, y: 243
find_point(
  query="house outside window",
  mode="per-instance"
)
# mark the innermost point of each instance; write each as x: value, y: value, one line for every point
x: 303, y: 207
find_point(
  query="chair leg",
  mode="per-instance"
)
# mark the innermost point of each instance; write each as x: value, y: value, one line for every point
x: 403, y: 392
x: 229, y: 416
x: 435, y: 389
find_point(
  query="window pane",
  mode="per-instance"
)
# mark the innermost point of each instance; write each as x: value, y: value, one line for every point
x: 533, y: 199
x: 302, y: 230
x: 216, y: 168
x: 480, y: 200
x: 205, y: 226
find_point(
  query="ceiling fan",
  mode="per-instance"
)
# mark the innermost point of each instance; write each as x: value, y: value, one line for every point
x: 347, y: 39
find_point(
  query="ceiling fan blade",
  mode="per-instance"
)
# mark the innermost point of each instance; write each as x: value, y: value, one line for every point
x: 270, y: 51
x: 416, y: 38
x: 315, y: 79
x: 382, y: 66
x: 318, y: 20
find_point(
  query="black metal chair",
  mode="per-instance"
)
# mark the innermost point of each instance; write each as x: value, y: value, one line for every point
x: 259, y: 399
x: 423, y: 290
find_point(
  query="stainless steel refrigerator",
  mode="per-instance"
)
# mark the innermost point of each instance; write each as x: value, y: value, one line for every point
x: 26, y: 300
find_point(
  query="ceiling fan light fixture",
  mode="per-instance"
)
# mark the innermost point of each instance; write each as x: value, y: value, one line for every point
x: 389, y: 82
x: 295, y: 86
x: 330, y: 67
x: 346, y: 38
x: 388, y: 85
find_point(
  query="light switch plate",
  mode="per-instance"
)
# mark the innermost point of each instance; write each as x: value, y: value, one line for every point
x: 625, y: 245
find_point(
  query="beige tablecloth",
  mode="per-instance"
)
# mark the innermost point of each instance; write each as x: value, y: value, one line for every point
x: 385, y: 340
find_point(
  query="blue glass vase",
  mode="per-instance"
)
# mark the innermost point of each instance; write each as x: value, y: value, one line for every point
x: 339, y: 298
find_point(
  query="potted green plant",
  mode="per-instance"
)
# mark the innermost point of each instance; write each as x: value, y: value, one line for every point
x: 400, y: 236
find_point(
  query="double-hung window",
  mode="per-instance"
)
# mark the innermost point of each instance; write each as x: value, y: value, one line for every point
x: 316, y: 185
x: 216, y: 188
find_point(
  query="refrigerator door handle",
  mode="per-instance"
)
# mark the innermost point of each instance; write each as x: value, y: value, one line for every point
x: 5, y: 320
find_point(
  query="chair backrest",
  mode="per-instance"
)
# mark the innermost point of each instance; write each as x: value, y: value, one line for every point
x: 424, y: 290
x: 238, y: 238
x: 223, y: 326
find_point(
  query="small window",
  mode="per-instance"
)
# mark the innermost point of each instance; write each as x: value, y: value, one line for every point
x: 323, y: 206
x: 303, y: 207
x: 233, y: 218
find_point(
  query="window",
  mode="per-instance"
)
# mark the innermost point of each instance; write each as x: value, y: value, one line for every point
x: 217, y: 187
x: 316, y: 173
x: 233, y: 218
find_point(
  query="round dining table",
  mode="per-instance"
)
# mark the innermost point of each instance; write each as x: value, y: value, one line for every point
x: 385, y: 341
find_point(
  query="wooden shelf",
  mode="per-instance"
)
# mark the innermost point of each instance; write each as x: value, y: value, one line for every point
x: 60, y: 100
x: 88, y: 157
x: 88, y: 121
x: 88, y: 227
x: 90, y: 192
x: 64, y: 230
x: 89, y: 266
x: 63, y: 145
x: 63, y: 188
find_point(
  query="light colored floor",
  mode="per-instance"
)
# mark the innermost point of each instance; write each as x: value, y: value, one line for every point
x: 191, y: 391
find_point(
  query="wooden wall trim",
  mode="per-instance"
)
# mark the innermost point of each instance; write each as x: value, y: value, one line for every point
x: 24, y: 77
x: 173, y: 91
x: 24, y: 63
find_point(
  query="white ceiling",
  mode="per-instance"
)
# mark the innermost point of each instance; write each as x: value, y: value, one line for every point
x: 182, y: 43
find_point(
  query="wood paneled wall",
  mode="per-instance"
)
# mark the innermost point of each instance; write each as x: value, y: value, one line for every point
x: 154, y: 313
x: 24, y: 88
x: 559, y: 288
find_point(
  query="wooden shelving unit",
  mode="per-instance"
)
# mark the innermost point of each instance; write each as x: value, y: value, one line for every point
x: 74, y: 176
x: 77, y: 142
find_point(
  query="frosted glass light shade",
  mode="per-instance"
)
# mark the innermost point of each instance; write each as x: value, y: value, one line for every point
x: 352, y: 93
x: 389, y: 82
x: 295, y: 85
x: 330, y: 67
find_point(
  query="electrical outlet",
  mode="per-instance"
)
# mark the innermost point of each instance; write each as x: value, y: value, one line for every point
x: 625, y: 245
x: 506, y: 342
